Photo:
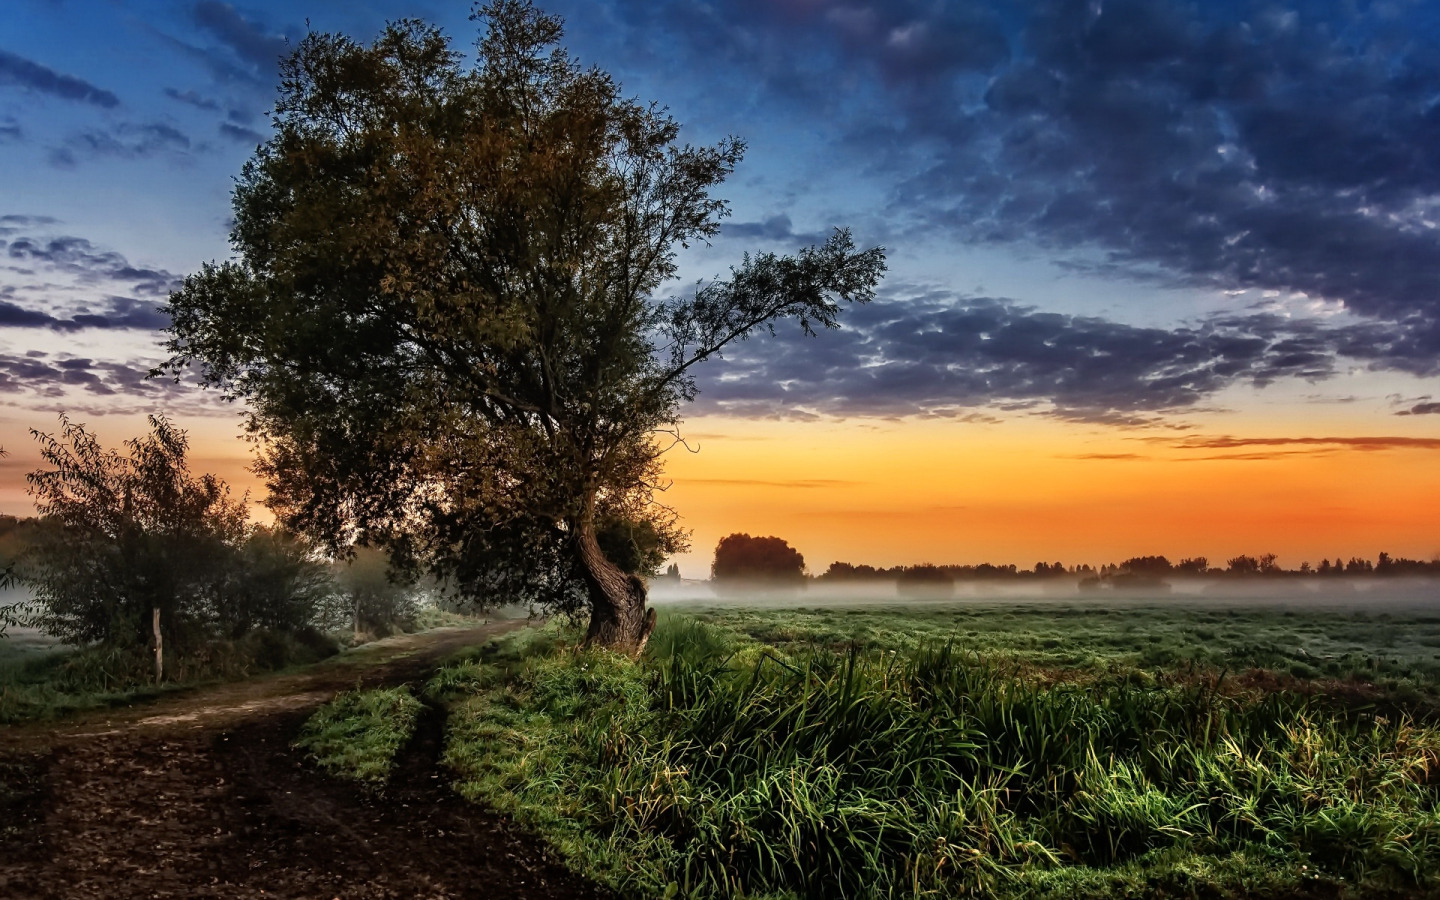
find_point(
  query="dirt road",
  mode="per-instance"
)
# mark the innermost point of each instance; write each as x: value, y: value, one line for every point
x: 200, y: 795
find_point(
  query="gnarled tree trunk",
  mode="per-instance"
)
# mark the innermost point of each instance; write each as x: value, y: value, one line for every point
x: 619, y: 619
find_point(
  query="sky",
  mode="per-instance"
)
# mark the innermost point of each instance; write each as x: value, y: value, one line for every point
x: 1164, y: 277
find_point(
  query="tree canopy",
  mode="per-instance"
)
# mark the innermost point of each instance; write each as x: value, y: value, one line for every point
x: 740, y: 557
x: 445, y: 307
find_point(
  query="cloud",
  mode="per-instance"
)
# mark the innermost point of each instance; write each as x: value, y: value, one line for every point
x: 38, y: 380
x: 19, y: 71
x: 924, y: 352
x: 1191, y: 144
x: 193, y: 98
x: 79, y: 257
x: 128, y: 140
x: 248, y: 39
x: 1421, y: 409
x: 117, y: 313
x: 10, y: 130
x: 1226, y: 442
x: 13, y: 224
x: 775, y: 229
x: 1106, y: 456
x: 241, y: 135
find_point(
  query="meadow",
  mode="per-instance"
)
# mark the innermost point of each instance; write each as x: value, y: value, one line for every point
x: 1043, y: 749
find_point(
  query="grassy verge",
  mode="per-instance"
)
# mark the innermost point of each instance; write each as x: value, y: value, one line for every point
x: 358, y: 734
x: 47, y: 685
x: 754, y: 760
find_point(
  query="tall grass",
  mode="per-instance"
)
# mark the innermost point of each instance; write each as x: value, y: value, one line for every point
x: 718, y: 766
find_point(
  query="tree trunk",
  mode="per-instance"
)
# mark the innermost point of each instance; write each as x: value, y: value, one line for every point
x: 619, y: 620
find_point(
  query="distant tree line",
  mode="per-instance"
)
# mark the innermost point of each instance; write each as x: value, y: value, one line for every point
x: 1156, y: 567
x: 741, y: 557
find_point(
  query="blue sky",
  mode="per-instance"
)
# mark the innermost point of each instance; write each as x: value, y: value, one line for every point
x: 1139, y: 214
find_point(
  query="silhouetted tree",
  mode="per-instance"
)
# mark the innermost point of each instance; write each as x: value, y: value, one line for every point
x: 1154, y: 566
x: 925, y: 579
x: 740, y: 557
x: 444, y: 319
x: 129, y: 534
x: 1243, y: 565
x: 1197, y: 565
x: 843, y: 571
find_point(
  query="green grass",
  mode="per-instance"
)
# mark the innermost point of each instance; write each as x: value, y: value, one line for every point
x: 1395, y: 653
x: 359, y: 733
x: 956, y: 751
x: 50, y: 681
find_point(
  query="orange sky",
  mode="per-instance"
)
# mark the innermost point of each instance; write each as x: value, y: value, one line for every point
x: 1023, y: 491
x: 1018, y: 491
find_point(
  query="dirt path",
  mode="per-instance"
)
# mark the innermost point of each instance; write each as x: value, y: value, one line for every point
x: 199, y: 795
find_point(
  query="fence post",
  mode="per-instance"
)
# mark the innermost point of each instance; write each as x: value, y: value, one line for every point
x: 159, y: 645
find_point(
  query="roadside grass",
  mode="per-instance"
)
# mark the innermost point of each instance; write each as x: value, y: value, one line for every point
x: 42, y: 680
x: 863, y: 753
x: 357, y: 735
x: 48, y: 684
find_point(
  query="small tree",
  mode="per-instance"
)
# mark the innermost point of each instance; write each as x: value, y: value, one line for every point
x: 376, y: 597
x: 127, y: 535
x: 740, y: 557
x: 276, y: 582
x: 445, y: 314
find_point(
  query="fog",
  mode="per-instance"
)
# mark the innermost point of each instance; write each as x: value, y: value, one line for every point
x: 1365, y: 594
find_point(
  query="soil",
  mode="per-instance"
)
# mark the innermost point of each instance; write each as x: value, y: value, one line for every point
x: 201, y: 796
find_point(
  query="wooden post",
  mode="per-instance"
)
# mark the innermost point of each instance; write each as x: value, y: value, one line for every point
x: 159, y: 646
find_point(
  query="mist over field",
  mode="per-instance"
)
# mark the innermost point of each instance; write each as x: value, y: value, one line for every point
x: 1400, y: 594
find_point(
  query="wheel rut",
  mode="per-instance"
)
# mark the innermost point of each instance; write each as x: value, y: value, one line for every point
x: 202, y: 796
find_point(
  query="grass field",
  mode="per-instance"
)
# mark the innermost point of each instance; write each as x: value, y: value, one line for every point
x: 1039, y: 749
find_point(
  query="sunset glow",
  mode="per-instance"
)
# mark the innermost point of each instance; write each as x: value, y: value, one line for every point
x: 1065, y: 363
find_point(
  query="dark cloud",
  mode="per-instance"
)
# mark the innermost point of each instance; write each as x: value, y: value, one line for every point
x: 40, y: 380
x: 241, y: 135
x: 776, y: 229
x: 193, y: 98
x: 14, y: 224
x: 79, y: 257
x: 248, y: 39
x: 17, y: 70
x: 127, y: 140
x: 12, y: 316
x: 1421, y: 409
x: 1128, y: 457
x: 1233, y: 146
x: 1368, y: 443
x: 117, y: 312
x: 935, y: 354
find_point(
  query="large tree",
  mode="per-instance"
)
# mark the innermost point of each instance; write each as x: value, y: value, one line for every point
x: 445, y: 307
